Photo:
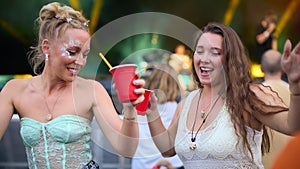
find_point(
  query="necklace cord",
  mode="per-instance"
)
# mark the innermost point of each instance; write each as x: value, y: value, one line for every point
x: 193, y: 139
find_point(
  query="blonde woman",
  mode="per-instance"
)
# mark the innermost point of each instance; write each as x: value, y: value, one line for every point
x: 56, y: 106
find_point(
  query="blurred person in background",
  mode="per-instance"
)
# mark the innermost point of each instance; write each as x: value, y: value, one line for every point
x: 271, y: 66
x: 181, y: 62
x: 163, y: 81
x: 265, y: 38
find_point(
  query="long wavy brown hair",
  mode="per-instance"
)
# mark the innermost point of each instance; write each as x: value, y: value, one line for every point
x: 240, y: 99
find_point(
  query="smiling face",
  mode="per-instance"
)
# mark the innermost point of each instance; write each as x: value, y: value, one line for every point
x: 208, y: 59
x: 68, y: 54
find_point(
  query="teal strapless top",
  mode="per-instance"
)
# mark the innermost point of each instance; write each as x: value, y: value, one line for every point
x: 63, y: 142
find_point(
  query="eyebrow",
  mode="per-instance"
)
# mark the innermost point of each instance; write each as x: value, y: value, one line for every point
x: 216, y: 48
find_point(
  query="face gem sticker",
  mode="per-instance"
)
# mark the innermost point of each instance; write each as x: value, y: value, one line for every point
x: 71, y: 42
x: 64, y: 51
x: 65, y: 47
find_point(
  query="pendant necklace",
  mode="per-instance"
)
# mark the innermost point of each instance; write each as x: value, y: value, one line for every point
x: 205, y: 107
x: 49, y: 115
x: 193, y: 145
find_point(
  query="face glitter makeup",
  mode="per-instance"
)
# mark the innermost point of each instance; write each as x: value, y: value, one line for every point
x: 71, y: 43
x: 63, y: 49
x: 66, y: 47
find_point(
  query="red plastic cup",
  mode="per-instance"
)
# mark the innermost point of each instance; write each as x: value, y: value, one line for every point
x: 142, y: 107
x: 123, y: 76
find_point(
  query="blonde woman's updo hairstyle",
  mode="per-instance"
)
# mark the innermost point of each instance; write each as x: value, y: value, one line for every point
x: 54, y: 19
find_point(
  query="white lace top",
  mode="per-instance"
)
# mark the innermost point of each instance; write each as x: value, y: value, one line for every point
x: 217, y: 144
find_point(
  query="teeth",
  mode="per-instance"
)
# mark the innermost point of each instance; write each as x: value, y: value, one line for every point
x: 73, y: 70
x: 206, y: 68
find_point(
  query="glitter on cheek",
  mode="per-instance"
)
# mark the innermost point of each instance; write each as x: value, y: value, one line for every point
x: 64, y: 48
x: 64, y: 51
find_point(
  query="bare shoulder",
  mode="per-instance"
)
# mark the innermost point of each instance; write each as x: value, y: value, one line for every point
x: 181, y: 103
x: 14, y: 88
x: 89, y: 84
x: 15, y: 85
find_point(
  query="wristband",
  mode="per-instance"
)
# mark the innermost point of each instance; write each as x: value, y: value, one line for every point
x: 129, y: 118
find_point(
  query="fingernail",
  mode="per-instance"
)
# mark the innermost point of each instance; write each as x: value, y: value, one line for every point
x: 134, y: 82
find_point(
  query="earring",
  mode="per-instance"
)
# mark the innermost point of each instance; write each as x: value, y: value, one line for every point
x: 46, y: 57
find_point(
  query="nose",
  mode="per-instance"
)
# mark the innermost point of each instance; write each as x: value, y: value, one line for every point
x: 80, y: 60
x: 205, y: 57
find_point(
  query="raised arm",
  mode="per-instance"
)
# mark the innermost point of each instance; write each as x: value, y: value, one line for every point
x: 163, y: 138
x: 290, y: 64
x: 286, y: 122
x: 262, y: 37
x: 122, y: 134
